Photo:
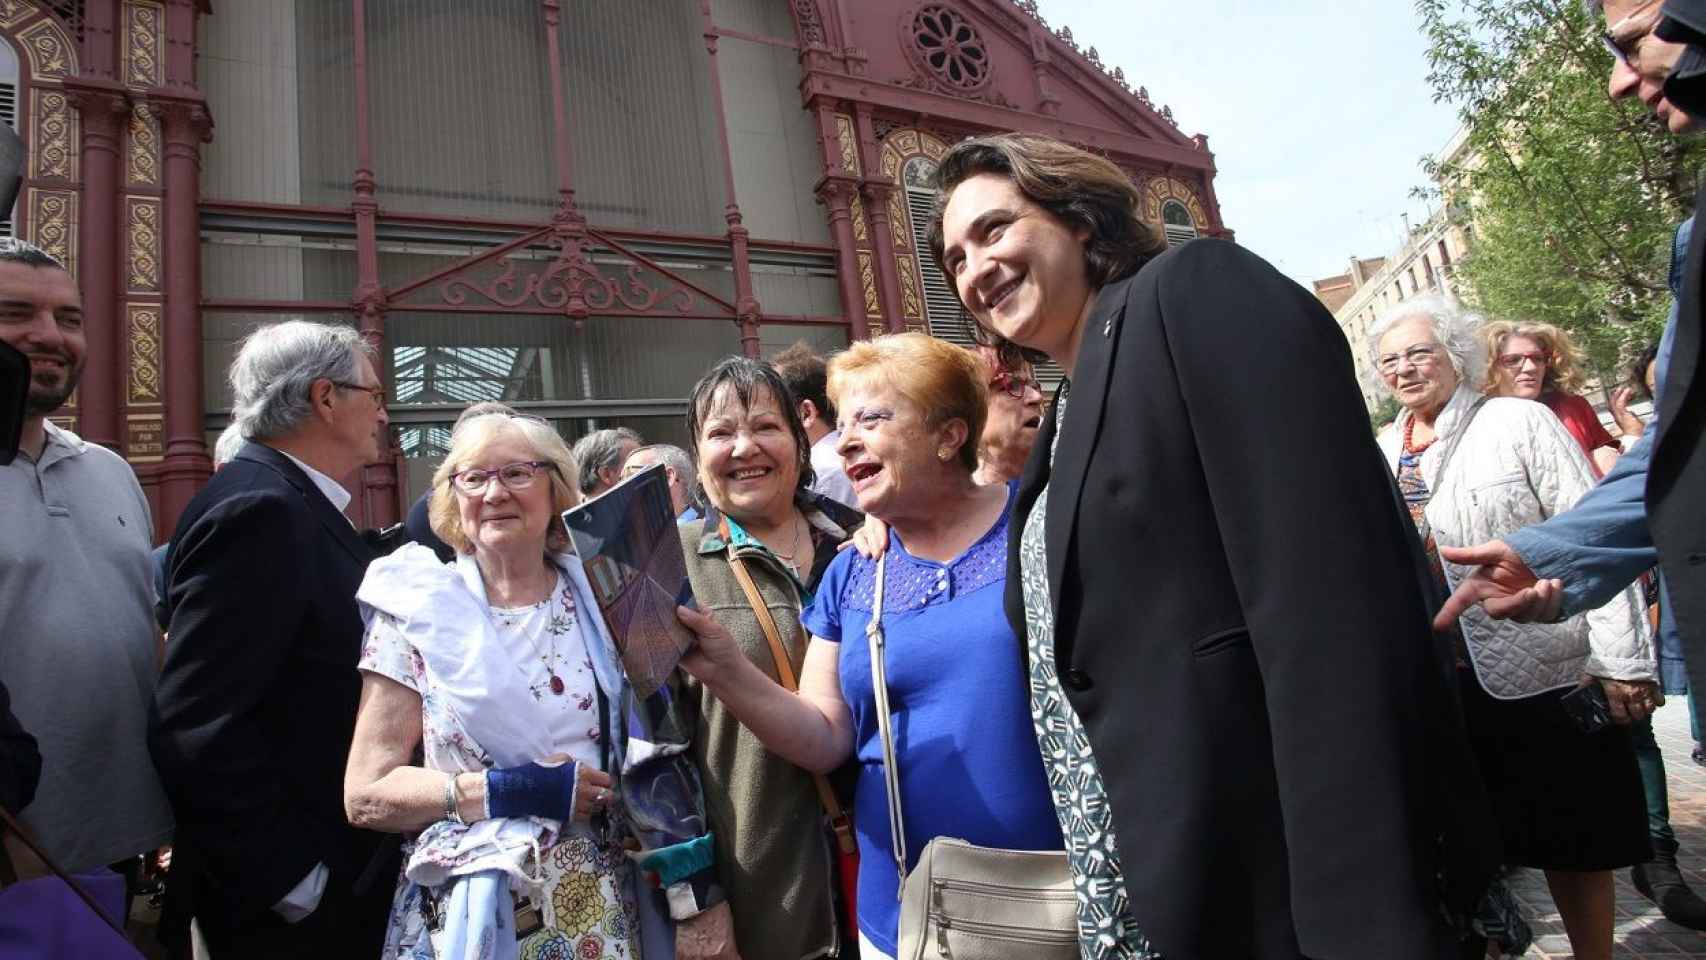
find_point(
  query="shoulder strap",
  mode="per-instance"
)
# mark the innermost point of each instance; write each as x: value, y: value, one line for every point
x: 880, y: 686
x: 785, y: 673
x: 17, y: 829
x: 1457, y: 436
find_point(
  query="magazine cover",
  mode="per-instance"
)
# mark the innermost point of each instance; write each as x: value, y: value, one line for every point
x: 627, y: 541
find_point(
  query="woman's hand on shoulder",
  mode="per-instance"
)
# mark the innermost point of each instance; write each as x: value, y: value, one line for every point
x: 715, y: 654
x: 871, y: 539
x: 707, y: 935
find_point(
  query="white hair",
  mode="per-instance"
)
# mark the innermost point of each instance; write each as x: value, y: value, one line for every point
x: 226, y: 447
x: 1453, y: 328
x: 601, y: 450
x: 277, y: 366
x: 670, y: 456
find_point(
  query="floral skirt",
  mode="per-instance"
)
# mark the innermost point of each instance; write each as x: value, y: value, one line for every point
x: 592, y: 913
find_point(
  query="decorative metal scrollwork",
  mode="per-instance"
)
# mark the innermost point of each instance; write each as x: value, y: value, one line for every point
x: 946, y: 44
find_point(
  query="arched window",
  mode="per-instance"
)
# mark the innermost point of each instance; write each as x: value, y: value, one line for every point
x: 8, y: 108
x: 1176, y: 223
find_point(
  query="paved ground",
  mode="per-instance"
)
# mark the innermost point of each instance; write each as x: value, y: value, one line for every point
x: 1641, y: 931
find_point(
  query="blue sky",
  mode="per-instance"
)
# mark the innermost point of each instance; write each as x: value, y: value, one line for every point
x: 1318, y: 112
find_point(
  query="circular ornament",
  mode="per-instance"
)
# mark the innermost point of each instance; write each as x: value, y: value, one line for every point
x: 943, y: 42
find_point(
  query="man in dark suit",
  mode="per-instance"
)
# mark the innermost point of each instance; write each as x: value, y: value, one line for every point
x: 256, y: 705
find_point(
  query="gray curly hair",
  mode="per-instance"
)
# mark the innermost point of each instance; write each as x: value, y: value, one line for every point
x: 1454, y: 327
x: 277, y: 366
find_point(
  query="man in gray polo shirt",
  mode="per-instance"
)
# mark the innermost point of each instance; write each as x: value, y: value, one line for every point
x: 78, y: 644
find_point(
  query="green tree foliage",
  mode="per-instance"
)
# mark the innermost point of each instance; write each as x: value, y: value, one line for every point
x: 1573, y: 196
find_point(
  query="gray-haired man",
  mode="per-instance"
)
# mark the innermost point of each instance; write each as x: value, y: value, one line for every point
x: 80, y: 646
x: 678, y: 465
x: 599, y: 457
x: 256, y: 706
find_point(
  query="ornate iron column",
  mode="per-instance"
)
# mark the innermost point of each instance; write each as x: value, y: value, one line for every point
x: 878, y: 189
x: 104, y: 112
x: 381, y: 493
x: 746, y: 305
x: 185, y: 125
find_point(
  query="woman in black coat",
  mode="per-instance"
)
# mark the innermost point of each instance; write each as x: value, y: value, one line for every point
x: 1252, y: 743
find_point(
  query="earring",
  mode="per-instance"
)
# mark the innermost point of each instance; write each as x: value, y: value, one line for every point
x: 944, y: 454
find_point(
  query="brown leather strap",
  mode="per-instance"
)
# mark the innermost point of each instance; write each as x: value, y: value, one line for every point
x: 785, y: 673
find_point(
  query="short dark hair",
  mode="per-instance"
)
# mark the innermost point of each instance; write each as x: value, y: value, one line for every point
x: 1638, y: 370
x: 745, y: 376
x: 1080, y: 188
x: 807, y: 376
x: 13, y: 250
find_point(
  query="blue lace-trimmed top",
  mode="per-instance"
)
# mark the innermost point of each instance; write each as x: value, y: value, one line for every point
x: 969, y: 765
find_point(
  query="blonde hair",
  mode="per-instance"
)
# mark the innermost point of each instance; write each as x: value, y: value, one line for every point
x: 474, y: 435
x: 945, y: 381
x: 1563, y: 368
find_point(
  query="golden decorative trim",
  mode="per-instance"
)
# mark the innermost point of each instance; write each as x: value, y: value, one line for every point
x: 53, y: 131
x: 849, y: 144
x: 144, y: 41
x: 868, y: 280
x: 53, y: 224
x: 14, y: 12
x: 51, y: 52
x: 861, y: 231
x: 899, y: 227
x: 145, y: 438
x: 144, y: 352
x: 1158, y: 190
x: 143, y: 157
x: 911, y: 300
x: 142, y: 215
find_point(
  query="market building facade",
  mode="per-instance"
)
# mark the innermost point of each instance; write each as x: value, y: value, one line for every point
x: 574, y: 206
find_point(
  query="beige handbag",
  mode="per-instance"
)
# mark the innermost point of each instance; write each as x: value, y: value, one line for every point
x: 965, y: 901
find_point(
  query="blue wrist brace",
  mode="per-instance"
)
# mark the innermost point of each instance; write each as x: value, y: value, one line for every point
x: 532, y: 790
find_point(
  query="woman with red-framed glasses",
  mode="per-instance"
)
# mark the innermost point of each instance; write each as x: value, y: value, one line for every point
x: 1537, y: 361
x: 1015, y: 414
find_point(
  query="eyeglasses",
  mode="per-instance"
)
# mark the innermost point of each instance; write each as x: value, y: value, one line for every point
x: 1014, y: 385
x: 1419, y: 355
x: 515, y: 477
x: 377, y: 393
x: 1514, y: 361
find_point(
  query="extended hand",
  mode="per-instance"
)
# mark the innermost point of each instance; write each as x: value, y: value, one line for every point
x: 715, y: 653
x: 592, y: 791
x: 1502, y: 584
x: 707, y: 935
x: 1631, y: 701
x: 1620, y: 412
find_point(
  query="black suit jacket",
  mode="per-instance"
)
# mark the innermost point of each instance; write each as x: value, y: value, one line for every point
x: 1676, y: 480
x: 255, y: 708
x: 1241, y: 627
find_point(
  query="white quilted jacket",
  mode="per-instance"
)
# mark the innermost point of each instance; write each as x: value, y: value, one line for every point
x: 1516, y: 466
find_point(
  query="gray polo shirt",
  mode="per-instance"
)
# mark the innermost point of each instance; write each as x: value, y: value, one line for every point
x: 77, y: 647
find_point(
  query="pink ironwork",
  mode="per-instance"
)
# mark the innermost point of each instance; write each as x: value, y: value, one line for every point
x: 746, y: 305
x: 381, y: 494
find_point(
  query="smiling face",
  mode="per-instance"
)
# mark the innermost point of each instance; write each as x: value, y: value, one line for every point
x: 41, y: 315
x: 498, y: 519
x: 1520, y: 368
x: 1018, y: 268
x: 749, y: 464
x: 894, y: 458
x: 1419, y: 373
x: 1645, y: 60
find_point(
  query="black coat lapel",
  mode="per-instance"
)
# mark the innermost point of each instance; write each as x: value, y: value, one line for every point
x: 335, y: 523
x: 1079, y: 431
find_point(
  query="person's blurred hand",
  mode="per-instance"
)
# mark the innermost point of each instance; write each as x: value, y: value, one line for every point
x: 871, y: 539
x: 1631, y: 701
x: 1627, y: 422
x: 715, y: 653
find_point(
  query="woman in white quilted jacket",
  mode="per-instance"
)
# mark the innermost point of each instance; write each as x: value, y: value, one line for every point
x: 1471, y: 469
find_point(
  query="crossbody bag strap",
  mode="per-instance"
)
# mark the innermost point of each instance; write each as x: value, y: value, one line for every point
x: 23, y: 836
x: 1425, y: 530
x: 785, y: 673
x: 880, y: 687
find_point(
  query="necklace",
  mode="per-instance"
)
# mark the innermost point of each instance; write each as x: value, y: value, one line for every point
x: 1409, y: 431
x: 793, y: 541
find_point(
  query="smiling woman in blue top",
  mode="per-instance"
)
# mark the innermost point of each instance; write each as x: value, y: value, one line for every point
x: 912, y: 409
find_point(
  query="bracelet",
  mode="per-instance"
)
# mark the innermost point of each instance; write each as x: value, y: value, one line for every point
x: 452, y: 810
